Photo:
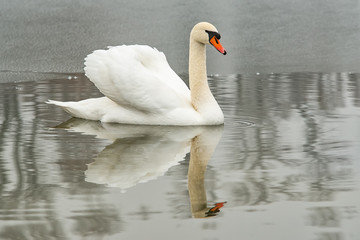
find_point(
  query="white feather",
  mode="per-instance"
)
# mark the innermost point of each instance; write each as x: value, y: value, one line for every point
x: 138, y: 77
x: 140, y: 88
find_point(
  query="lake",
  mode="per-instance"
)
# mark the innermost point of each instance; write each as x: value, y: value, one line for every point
x: 259, y: 35
x: 285, y: 165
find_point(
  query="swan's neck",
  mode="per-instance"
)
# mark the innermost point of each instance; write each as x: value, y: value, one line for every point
x: 197, y: 74
x: 201, y: 97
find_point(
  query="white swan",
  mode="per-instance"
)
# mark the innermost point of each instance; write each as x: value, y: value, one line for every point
x: 141, y: 88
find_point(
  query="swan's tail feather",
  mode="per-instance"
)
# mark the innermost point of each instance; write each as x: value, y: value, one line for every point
x: 67, y: 106
x: 92, y: 108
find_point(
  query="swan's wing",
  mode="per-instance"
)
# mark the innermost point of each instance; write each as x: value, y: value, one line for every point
x: 137, y: 77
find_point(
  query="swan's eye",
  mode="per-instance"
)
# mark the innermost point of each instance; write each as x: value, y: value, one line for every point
x: 212, y: 34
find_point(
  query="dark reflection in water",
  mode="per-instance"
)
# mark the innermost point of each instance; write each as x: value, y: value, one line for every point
x: 288, y: 154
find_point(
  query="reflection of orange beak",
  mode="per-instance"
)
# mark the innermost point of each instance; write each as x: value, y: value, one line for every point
x: 216, y: 43
x: 220, y: 204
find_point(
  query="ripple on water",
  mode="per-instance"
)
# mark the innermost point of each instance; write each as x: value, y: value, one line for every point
x: 241, y: 124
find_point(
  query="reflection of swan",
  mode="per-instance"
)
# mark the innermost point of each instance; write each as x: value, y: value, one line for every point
x: 138, y: 154
x: 202, y: 148
x: 141, y: 88
x: 142, y: 153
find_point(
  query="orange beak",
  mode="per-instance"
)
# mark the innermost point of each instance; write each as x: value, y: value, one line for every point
x: 216, y: 43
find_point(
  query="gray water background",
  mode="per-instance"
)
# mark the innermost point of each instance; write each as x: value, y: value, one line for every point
x: 287, y: 162
x: 259, y: 35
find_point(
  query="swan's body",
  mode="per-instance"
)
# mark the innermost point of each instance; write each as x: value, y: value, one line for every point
x: 141, y: 88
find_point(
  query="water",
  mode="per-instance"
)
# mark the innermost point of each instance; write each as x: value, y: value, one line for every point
x: 259, y: 35
x: 285, y: 162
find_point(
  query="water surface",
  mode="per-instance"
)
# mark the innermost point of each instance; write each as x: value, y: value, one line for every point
x: 271, y: 36
x: 286, y: 163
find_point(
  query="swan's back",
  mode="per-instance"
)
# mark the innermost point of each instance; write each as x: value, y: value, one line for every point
x: 137, y: 77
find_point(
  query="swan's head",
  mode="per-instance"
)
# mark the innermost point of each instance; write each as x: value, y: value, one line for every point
x: 206, y: 33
